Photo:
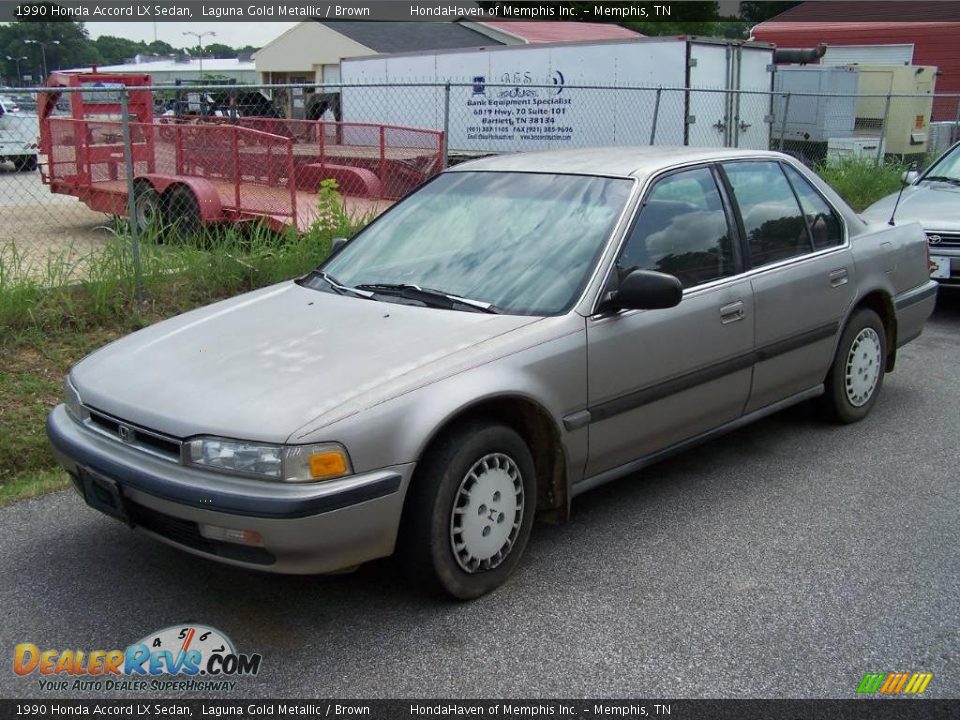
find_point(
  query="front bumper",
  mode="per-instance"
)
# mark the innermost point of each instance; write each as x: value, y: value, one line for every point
x: 305, y: 528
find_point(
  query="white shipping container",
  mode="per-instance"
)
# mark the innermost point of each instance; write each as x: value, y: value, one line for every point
x: 525, y: 97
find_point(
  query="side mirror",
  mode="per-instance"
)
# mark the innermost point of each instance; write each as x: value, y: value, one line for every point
x: 647, y: 290
x: 909, y: 177
x: 336, y: 244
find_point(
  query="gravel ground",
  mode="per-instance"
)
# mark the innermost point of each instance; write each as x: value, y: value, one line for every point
x: 42, y: 225
x: 784, y: 560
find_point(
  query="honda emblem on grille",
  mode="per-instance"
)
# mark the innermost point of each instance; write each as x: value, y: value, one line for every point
x: 126, y: 433
x: 934, y: 239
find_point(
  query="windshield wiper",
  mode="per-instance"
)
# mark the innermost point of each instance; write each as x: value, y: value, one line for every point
x: 428, y: 296
x: 342, y: 289
x: 943, y: 178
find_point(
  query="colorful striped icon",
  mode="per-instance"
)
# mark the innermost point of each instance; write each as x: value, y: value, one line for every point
x: 894, y: 683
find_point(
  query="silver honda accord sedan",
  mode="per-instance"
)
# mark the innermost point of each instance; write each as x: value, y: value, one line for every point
x: 519, y: 330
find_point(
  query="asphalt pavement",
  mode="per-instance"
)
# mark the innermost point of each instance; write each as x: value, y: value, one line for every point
x: 784, y: 560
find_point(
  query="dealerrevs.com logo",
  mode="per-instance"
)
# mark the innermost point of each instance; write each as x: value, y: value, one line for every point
x: 181, y: 657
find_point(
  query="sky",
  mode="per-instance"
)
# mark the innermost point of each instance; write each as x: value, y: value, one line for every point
x: 235, y: 34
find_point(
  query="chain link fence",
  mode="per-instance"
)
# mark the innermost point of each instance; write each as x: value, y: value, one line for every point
x: 77, y: 163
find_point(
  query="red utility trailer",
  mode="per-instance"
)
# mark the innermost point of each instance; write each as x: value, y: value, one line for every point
x: 219, y: 170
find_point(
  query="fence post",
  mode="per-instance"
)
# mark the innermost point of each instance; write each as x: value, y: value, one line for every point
x: 383, y: 157
x: 883, y: 130
x: 322, y: 131
x: 291, y: 180
x: 656, y: 115
x: 235, y: 152
x: 131, y: 201
x: 955, y: 130
x: 783, y: 120
x: 446, y: 126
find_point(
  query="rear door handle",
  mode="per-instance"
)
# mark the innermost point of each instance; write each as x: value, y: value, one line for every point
x: 732, y: 312
x: 838, y: 277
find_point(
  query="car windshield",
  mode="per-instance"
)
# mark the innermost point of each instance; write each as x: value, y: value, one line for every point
x: 948, y: 169
x: 523, y: 243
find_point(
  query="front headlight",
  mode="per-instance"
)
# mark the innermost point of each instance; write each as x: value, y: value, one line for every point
x: 71, y: 399
x: 283, y: 463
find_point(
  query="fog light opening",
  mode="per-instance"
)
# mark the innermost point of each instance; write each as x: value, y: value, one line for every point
x: 232, y: 535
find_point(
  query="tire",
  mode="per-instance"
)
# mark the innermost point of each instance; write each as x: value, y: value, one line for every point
x: 147, y: 208
x: 456, y: 536
x: 25, y: 163
x: 856, y: 376
x: 182, y: 212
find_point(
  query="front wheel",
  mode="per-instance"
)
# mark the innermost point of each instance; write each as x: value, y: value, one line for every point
x: 856, y: 376
x: 147, y: 208
x: 470, y: 510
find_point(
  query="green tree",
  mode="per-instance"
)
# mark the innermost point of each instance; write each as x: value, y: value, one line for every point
x: 217, y: 50
x: 115, y: 50
x: 159, y: 47
x: 66, y: 45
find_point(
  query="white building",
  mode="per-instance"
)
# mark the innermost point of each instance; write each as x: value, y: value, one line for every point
x: 168, y: 72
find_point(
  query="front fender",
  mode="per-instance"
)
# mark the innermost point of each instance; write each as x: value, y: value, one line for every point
x: 549, y: 371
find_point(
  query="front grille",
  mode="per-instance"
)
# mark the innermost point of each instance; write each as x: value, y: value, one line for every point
x: 187, y: 533
x: 946, y: 239
x: 102, y: 421
x: 168, y: 447
x: 149, y: 441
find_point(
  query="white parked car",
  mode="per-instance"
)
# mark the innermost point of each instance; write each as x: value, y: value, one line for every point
x: 18, y: 135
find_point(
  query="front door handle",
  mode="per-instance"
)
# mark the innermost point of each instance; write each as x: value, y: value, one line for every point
x: 732, y: 312
x: 839, y: 277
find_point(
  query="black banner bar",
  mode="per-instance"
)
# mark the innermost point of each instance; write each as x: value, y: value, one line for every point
x: 440, y: 11
x: 853, y: 709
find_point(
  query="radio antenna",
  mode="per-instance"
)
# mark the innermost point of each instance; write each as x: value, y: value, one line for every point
x: 913, y: 167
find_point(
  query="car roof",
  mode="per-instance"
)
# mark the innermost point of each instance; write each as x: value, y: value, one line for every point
x: 639, y: 161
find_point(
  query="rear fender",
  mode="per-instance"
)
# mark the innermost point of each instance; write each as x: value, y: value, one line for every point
x: 211, y: 210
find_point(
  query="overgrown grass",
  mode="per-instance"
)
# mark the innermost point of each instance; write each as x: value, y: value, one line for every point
x: 860, y: 181
x: 219, y: 262
x: 49, y: 319
x: 31, y: 484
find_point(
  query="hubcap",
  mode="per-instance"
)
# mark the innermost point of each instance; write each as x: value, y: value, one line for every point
x: 863, y: 367
x: 147, y: 210
x: 487, y: 513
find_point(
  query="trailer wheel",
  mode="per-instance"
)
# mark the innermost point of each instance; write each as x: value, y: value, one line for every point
x: 183, y: 213
x: 147, y: 207
x: 25, y: 163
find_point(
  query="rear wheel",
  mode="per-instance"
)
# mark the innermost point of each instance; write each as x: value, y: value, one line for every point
x: 183, y: 214
x: 470, y: 510
x: 856, y: 376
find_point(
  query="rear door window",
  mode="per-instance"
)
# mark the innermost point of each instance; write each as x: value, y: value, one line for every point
x: 825, y: 226
x: 775, y: 227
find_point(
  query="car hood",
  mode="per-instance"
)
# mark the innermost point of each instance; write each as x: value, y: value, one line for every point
x: 936, y: 206
x: 261, y: 365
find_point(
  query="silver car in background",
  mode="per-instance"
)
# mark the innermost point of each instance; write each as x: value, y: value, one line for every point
x: 519, y: 330
x: 933, y: 200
